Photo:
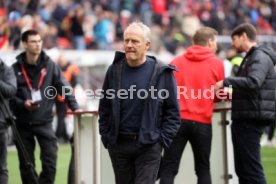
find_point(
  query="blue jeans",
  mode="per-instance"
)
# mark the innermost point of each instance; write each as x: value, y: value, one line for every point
x: 200, y: 137
x: 247, y: 152
x: 134, y: 163
x: 3, y: 158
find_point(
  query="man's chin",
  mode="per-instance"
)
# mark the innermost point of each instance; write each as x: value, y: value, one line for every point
x: 130, y: 56
x: 239, y: 50
x: 37, y: 52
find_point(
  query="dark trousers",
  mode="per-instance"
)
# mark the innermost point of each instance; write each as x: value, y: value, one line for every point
x: 3, y: 158
x: 61, y: 110
x: 271, y: 130
x: 134, y: 163
x: 200, y: 137
x: 48, y: 151
x: 71, y: 170
x: 247, y: 152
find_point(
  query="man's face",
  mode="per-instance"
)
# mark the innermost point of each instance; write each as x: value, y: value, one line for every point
x: 33, y: 45
x: 62, y: 61
x: 135, y: 45
x: 237, y: 43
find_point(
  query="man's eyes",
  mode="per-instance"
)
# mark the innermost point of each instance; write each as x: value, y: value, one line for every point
x: 132, y: 41
x: 35, y: 41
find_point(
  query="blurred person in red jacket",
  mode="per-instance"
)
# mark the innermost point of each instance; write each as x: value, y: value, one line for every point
x: 198, y: 71
x: 4, y: 30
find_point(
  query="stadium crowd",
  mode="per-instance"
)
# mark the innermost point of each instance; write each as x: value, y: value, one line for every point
x: 99, y: 24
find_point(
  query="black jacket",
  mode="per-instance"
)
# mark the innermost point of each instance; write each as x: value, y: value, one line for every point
x: 254, y: 88
x: 161, y: 117
x: 8, y: 90
x: 53, y: 79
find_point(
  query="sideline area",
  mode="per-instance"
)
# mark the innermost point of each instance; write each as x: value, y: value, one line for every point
x: 64, y: 153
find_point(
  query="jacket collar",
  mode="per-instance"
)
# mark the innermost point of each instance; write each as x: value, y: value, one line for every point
x: 159, y: 68
x: 120, y: 57
x: 43, y: 58
x: 1, y: 65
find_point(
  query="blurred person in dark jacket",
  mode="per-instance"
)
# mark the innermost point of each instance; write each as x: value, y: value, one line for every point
x: 7, y: 90
x: 39, y: 80
x: 253, y: 102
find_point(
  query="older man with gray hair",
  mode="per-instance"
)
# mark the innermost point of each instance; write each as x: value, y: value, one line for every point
x: 139, y: 112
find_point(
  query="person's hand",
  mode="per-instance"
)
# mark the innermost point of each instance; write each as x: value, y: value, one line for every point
x: 30, y: 105
x: 219, y: 85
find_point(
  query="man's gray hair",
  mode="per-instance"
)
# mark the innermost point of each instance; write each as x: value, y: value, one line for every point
x: 143, y: 27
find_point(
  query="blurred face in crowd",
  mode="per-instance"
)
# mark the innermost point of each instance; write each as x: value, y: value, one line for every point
x: 33, y: 45
x: 237, y: 43
x: 135, y: 46
x: 62, y: 60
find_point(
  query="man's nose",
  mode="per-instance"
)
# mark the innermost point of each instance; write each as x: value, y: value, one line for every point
x: 129, y: 44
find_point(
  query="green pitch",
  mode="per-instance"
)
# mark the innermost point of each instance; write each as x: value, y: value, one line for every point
x: 64, y: 153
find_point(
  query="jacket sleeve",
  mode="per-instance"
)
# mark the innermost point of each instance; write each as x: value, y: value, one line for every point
x: 257, y: 72
x: 221, y: 94
x: 105, y: 109
x: 8, y: 83
x: 16, y: 103
x: 64, y: 89
x: 171, y: 112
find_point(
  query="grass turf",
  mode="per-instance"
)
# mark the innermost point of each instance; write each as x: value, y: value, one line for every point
x: 269, y: 163
x: 64, y: 153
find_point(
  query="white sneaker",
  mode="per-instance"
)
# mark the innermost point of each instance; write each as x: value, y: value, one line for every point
x: 263, y: 140
x: 269, y: 143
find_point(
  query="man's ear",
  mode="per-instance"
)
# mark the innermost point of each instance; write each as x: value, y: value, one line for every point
x: 209, y: 43
x: 244, y: 36
x: 24, y: 44
x: 147, y: 45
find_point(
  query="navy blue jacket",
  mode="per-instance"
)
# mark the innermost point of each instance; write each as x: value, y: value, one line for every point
x: 161, y: 117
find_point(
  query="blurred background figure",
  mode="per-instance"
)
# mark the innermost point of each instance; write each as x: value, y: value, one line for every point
x: 104, y: 27
x: 71, y: 74
x: 268, y: 139
x: 4, y: 30
x: 235, y: 59
x: 76, y: 28
x: 222, y: 54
